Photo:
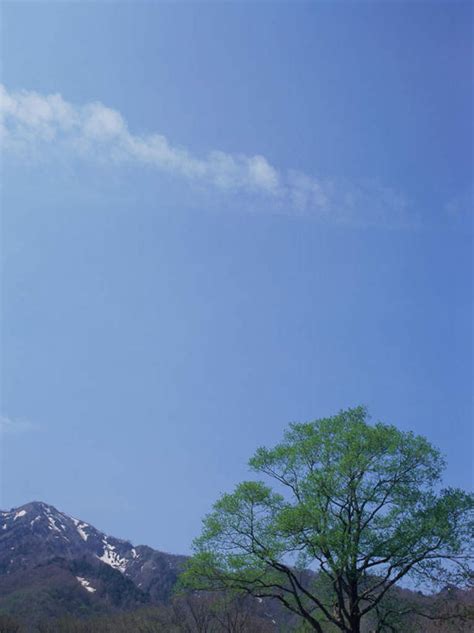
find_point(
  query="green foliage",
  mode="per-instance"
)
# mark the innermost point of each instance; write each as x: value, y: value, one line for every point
x: 359, y: 504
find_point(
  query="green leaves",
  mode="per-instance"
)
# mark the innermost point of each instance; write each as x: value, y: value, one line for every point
x: 350, y: 500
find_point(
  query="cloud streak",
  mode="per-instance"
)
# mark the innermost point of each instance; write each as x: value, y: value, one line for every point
x: 31, y: 122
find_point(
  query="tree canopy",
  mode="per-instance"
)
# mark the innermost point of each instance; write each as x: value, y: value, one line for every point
x: 348, y: 509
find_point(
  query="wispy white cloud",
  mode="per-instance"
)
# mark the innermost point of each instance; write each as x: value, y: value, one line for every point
x: 12, y: 426
x: 31, y: 122
x: 29, y: 118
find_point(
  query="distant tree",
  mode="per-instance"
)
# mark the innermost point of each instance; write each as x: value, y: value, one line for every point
x: 205, y: 612
x: 9, y: 624
x: 193, y: 613
x: 359, y: 504
x: 403, y: 611
x: 237, y: 614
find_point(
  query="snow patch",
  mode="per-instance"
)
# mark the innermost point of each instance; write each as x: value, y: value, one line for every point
x: 80, y: 525
x: 110, y: 557
x: 19, y: 514
x: 52, y: 524
x: 80, y: 528
x: 86, y: 584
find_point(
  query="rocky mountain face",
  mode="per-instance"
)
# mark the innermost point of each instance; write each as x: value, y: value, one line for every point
x: 49, y: 560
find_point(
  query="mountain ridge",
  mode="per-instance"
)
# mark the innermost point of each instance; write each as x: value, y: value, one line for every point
x: 44, y: 551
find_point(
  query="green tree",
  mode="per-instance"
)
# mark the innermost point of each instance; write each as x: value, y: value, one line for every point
x: 354, y: 509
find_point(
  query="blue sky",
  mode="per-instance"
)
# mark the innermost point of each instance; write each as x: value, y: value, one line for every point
x: 229, y: 217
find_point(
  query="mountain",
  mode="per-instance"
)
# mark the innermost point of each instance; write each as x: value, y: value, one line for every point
x: 52, y: 563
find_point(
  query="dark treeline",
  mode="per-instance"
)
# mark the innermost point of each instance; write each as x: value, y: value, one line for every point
x: 197, y: 613
x: 408, y: 612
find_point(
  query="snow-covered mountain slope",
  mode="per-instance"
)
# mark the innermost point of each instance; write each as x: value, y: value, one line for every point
x: 38, y: 539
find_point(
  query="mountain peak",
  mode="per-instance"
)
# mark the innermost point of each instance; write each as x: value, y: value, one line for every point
x: 37, y: 538
x: 64, y: 534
